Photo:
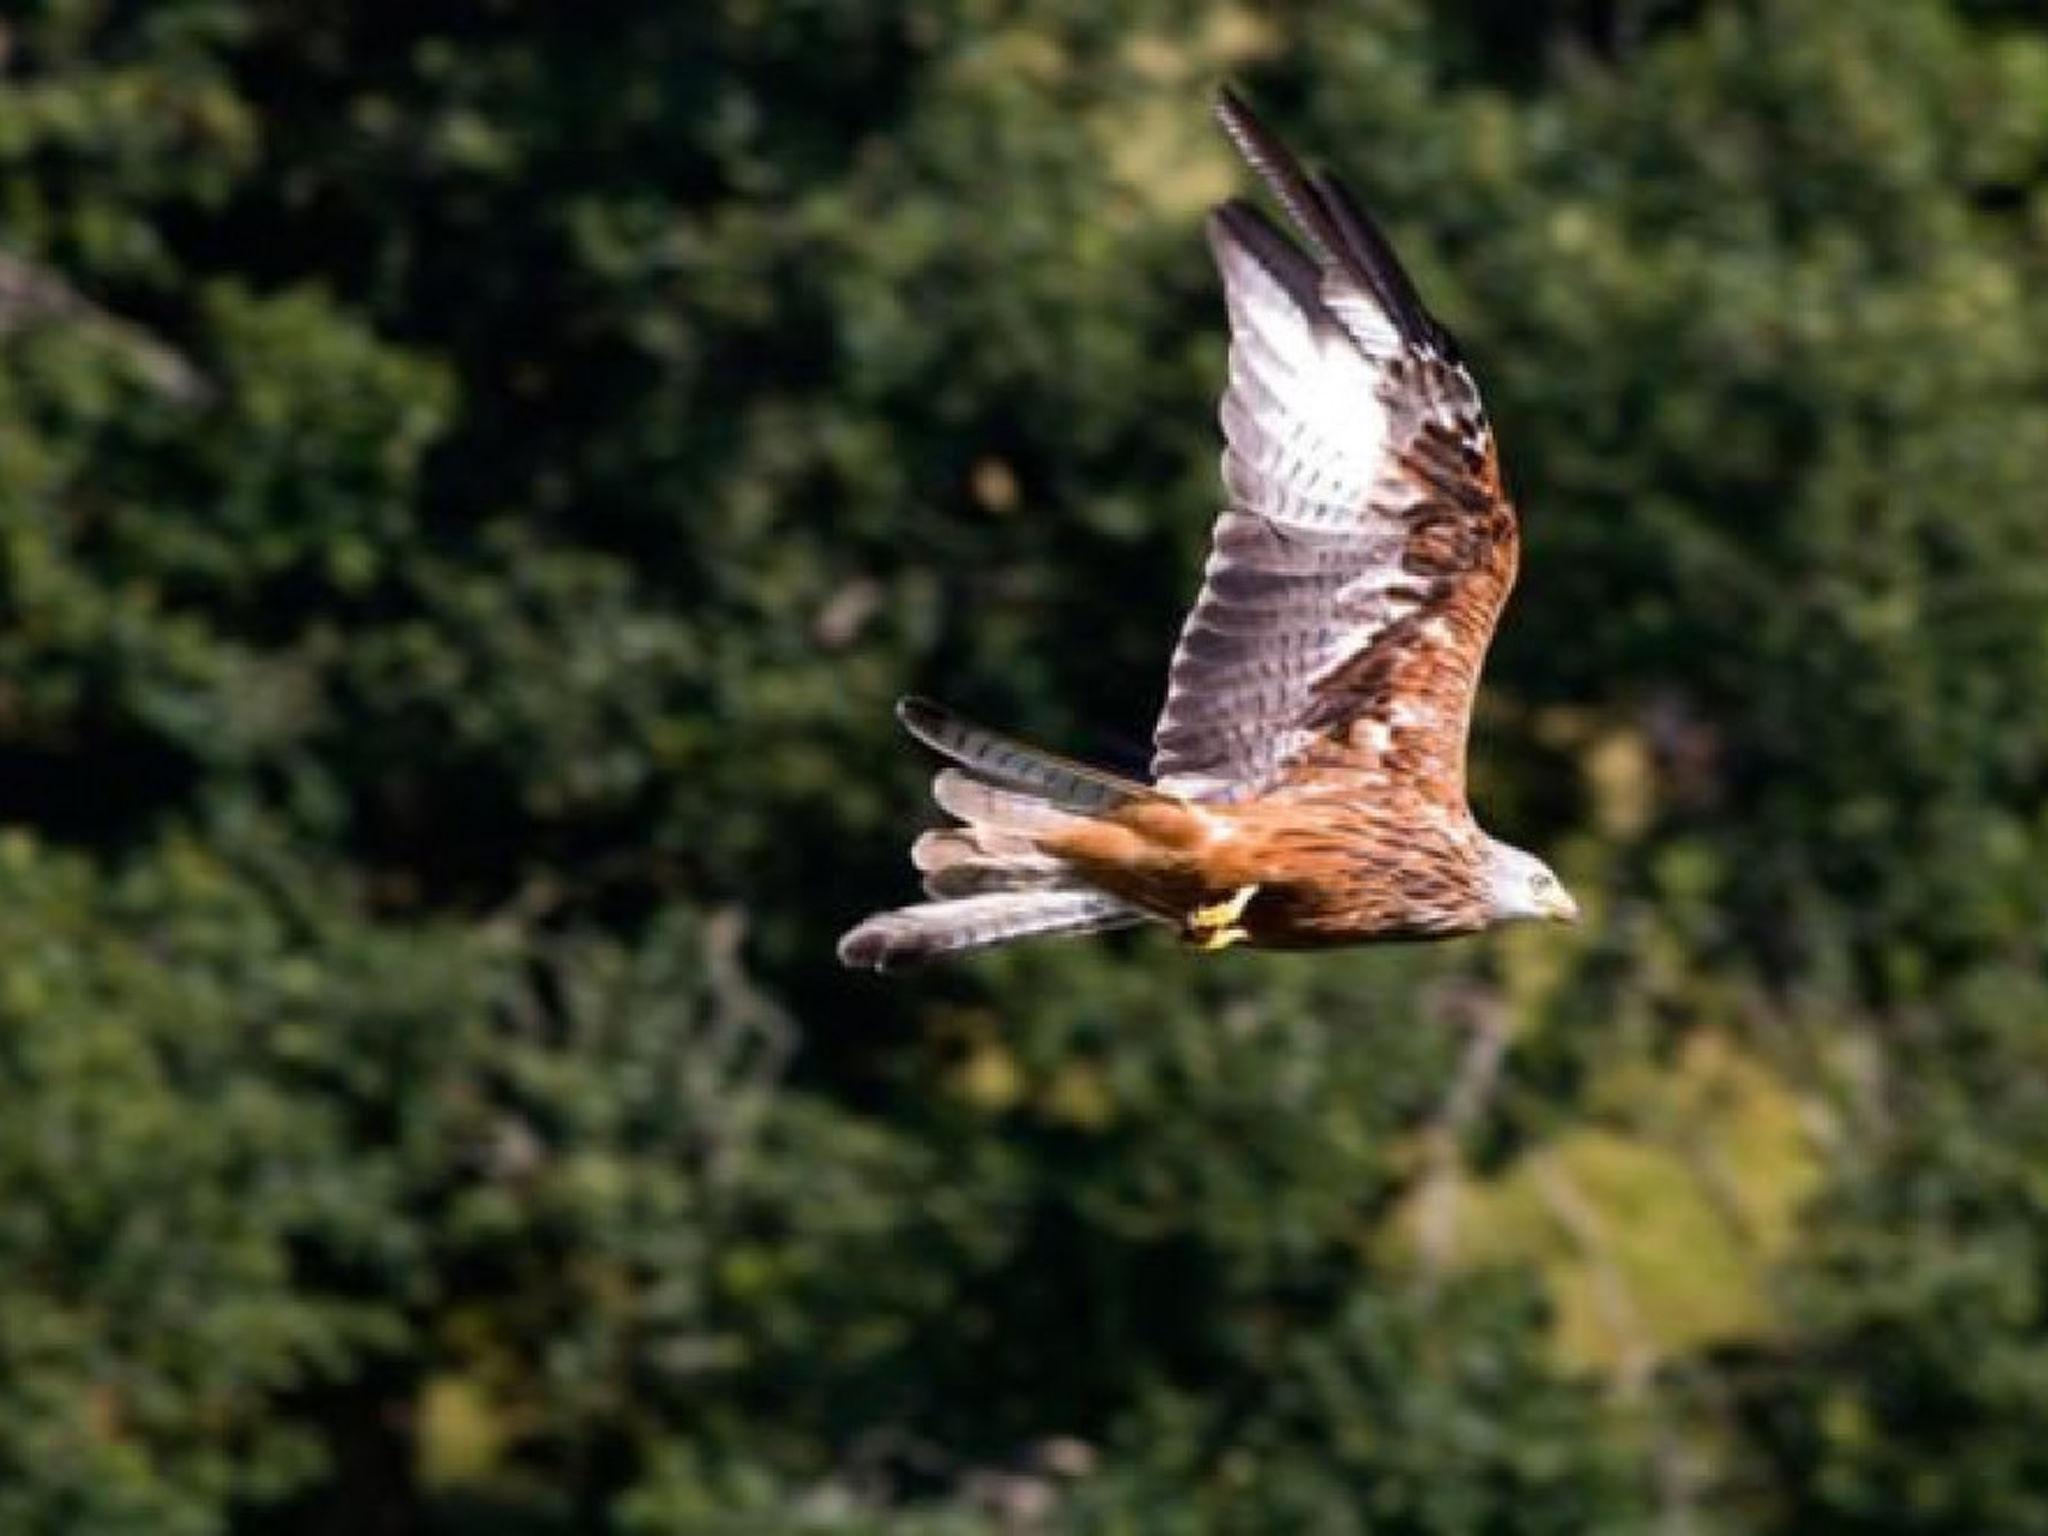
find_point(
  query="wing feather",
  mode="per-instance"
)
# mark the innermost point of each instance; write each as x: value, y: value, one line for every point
x: 1355, y: 577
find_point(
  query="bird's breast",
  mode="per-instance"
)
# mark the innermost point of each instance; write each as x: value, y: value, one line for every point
x: 1346, y: 874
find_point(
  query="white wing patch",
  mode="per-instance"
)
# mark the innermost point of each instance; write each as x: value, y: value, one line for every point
x: 1305, y: 567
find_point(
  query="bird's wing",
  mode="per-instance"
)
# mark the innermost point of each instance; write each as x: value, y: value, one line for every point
x: 1368, y: 546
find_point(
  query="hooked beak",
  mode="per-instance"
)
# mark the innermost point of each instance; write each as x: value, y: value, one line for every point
x: 1561, y: 908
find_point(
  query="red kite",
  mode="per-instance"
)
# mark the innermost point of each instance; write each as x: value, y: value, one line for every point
x: 1308, y: 774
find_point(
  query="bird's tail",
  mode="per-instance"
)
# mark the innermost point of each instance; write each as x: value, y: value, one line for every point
x: 989, y: 880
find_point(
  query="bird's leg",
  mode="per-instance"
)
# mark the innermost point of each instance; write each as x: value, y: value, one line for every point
x: 1215, y: 926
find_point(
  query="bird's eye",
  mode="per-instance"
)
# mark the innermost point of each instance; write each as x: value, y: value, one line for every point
x: 1541, y: 883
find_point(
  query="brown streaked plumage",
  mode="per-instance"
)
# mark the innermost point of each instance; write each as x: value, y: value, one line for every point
x: 1309, y: 762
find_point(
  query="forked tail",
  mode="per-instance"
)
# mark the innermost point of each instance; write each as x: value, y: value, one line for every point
x: 989, y: 880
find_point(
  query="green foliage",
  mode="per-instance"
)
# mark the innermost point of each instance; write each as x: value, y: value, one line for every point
x: 473, y: 478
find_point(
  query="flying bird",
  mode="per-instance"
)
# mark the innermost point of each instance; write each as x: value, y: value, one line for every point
x: 1308, y: 773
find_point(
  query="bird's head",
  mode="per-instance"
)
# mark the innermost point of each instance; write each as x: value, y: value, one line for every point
x: 1522, y: 888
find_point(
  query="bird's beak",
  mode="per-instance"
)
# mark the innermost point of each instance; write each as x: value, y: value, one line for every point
x: 1563, y: 909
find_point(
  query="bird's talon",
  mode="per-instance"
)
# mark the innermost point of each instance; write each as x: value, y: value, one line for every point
x: 1215, y: 926
x: 1223, y: 913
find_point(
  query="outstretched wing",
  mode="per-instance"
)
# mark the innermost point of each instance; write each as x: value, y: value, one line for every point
x: 1368, y: 547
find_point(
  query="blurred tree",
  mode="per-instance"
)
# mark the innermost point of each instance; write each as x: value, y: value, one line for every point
x: 471, y: 480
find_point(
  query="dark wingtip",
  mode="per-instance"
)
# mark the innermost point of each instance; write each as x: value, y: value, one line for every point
x: 1239, y: 224
x: 1233, y: 110
x: 1239, y: 217
x: 1333, y: 222
x: 1240, y: 124
x: 1371, y: 254
x: 1276, y: 166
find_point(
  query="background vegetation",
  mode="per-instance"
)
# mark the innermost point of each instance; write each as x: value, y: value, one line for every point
x: 473, y: 476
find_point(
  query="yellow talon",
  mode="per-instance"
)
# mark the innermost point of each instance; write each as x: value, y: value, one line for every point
x: 1215, y: 927
x: 1223, y: 913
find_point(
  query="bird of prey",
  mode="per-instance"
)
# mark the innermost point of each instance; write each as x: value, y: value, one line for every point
x: 1308, y: 775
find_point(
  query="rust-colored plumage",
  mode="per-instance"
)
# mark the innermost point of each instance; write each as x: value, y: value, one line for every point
x: 1309, y: 764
